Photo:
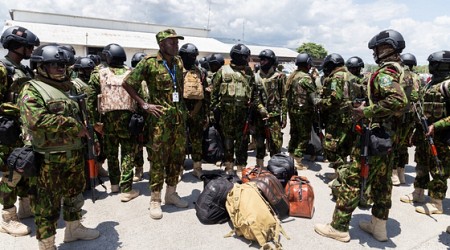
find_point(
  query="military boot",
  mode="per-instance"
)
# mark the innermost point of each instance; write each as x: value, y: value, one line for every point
x: 138, y: 173
x: 155, y: 205
x: 11, y: 223
x: 260, y: 162
x: 432, y: 207
x: 115, y: 188
x: 197, y: 169
x: 76, y: 231
x: 328, y: 231
x: 239, y: 169
x: 24, y: 210
x: 228, y: 167
x: 401, y: 175
x: 172, y: 198
x: 128, y: 196
x: 416, y: 196
x: 394, y: 178
x: 376, y: 227
x: 47, y: 243
x: 298, y: 163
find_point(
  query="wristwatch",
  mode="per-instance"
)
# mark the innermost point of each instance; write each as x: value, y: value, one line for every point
x: 145, y: 106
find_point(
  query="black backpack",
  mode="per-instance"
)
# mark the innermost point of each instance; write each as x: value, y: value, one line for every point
x: 9, y: 130
x: 212, y: 145
x: 210, y: 205
x: 282, y: 166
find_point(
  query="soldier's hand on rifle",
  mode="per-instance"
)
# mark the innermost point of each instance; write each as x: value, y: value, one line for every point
x: 97, y: 148
x: 430, y: 130
x: 98, y: 127
x: 358, y: 112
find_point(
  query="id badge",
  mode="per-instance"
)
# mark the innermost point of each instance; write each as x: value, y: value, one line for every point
x: 175, y: 97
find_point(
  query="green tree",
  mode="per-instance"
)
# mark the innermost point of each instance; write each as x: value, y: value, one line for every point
x: 315, y: 50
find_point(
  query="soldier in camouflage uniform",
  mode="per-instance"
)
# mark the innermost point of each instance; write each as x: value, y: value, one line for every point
x: 20, y: 43
x: 335, y: 104
x: 215, y: 61
x: 354, y: 65
x: 163, y: 74
x: 196, y: 99
x: 386, y: 99
x: 271, y: 87
x: 50, y: 118
x: 114, y: 110
x: 406, y: 123
x: 435, y: 103
x: 300, y: 95
x: 234, y: 95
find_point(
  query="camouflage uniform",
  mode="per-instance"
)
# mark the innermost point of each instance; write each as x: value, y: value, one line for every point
x: 435, y: 107
x: 116, y: 133
x: 8, y: 96
x: 61, y: 160
x: 271, y: 87
x: 300, y: 90
x: 386, y: 98
x: 337, y: 95
x: 167, y: 138
x: 197, y: 118
x: 235, y: 111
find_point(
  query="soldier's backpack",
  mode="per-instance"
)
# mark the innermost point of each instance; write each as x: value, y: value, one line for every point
x: 113, y: 96
x: 282, y: 166
x: 193, y: 87
x: 210, y: 205
x: 252, y: 216
x: 212, y: 145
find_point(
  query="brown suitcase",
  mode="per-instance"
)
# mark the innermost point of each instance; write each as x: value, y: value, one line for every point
x: 300, y: 194
x: 249, y: 173
x: 273, y: 191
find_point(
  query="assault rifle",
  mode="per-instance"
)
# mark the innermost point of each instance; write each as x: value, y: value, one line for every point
x: 364, y: 131
x: 90, y: 155
x: 267, y: 133
x: 423, y: 121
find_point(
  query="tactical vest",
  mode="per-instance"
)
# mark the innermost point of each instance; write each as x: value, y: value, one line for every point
x: 81, y: 86
x: 56, y: 102
x: 193, y: 87
x: 272, y: 91
x: 234, y: 86
x: 296, y: 94
x: 435, y: 101
x: 113, y: 96
x: 16, y: 80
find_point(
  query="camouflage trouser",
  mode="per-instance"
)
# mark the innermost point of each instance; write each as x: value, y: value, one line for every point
x: 403, y: 133
x: 196, y: 126
x: 426, y: 166
x: 139, y: 157
x: 10, y: 190
x: 338, y: 141
x: 378, y: 189
x: 300, y: 132
x: 232, y: 123
x: 167, y: 150
x: 127, y: 162
x: 275, y: 140
x: 61, y: 176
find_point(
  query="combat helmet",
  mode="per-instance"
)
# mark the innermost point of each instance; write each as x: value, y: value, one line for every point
x: 137, y: 57
x: 239, y: 54
x: 409, y: 59
x: 354, y: 62
x: 15, y: 37
x: 216, y: 58
x: 303, y: 59
x: 439, y: 62
x: 114, y: 54
x: 47, y: 54
x: 331, y: 62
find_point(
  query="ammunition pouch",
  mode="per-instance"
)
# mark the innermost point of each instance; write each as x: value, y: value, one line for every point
x: 9, y: 130
x: 136, y: 125
x: 380, y: 142
x: 22, y: 160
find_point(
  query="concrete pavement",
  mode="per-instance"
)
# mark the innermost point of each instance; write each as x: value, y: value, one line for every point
x: 129, y: 226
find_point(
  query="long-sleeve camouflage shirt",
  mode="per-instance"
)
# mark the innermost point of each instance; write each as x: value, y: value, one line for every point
x: 271, y: 87
x: 300, y: 91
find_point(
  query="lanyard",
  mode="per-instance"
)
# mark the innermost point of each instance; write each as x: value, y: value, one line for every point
x: 172, y: 74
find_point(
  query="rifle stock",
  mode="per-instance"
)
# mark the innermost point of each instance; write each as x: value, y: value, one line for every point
x: 364, y: 157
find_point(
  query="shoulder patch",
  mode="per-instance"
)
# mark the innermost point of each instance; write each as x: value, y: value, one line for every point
x: 385, y: 80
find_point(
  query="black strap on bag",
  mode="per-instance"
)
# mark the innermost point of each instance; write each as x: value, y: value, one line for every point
x: 22, y: 160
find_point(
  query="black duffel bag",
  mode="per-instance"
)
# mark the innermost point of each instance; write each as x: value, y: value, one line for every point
x: 22, y: 160
x: 9, y: 130
x: 282, y: 166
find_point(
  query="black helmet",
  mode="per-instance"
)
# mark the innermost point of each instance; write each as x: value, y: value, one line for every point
x: 114, y: 54
x: 84, y: 63
x: 16, y: 36
x: 204, y: 62
x: 409, y: 59
x: 51, y: 53
x: 137, y: 57
x: 95, y: 58
x: 72, y: 51
x: 391, y: 37
x: 216, y: 58
x: 267, y: 53
x: 354, y: 62
x: 439, y: 62
x: 303, y: 59
x: 239, y: 54
x: 188, y: 49
x: 331, y: 62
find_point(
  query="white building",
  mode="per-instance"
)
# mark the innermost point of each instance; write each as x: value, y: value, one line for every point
x: 89, y: 35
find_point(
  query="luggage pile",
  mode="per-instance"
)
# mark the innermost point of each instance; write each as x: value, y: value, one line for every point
x: 257, y: 203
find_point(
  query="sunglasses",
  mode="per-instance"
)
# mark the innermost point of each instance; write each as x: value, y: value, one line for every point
x: 57, y: 65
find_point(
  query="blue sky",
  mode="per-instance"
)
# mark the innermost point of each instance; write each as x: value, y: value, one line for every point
x: 341, y: 26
